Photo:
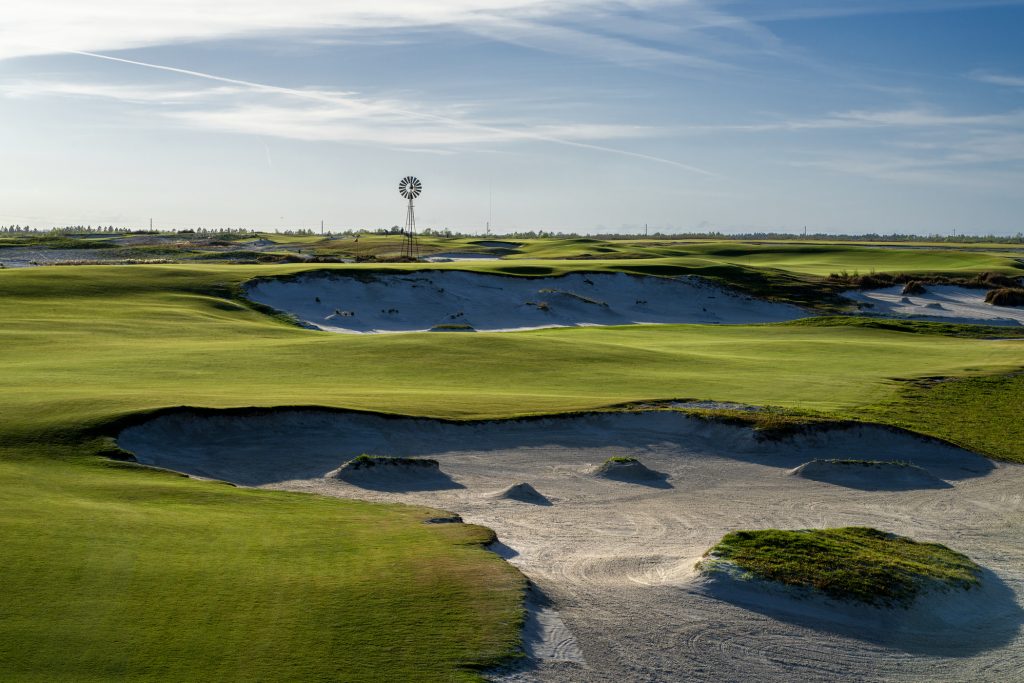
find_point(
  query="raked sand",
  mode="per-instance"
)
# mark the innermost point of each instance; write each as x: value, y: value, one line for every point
x: 617, y: 598
x: 939, y: 303
x: 408, y: 302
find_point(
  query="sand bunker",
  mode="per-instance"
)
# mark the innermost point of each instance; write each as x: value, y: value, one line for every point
x: 424, y: 300
x: 617, y: 560
x: 939, y: 303
x: 870, y: 475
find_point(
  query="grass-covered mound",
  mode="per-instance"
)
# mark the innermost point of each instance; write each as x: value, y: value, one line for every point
x: 851, y: 563
x: 1005, y: 296
x: 630, y: 469
x: 368, y: 462
x: 618, y: 460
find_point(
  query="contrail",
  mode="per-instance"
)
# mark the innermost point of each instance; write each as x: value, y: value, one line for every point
x: 325, y: 97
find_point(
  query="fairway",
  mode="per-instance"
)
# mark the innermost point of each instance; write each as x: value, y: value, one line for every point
x: 151, y: 339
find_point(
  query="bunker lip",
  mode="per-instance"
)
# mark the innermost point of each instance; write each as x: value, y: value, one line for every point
x: 617, y: 560
x: 374, y: 302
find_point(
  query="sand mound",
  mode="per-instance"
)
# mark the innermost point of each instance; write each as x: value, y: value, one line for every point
x: 870, y: 475
x: 524, y: 493
x: 383, y: 473
x: 631, y: 470
x: 367, y: 302
x: 940, y: 303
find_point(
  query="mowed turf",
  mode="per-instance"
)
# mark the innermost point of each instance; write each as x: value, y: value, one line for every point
x: 805, y: 258
x: 117, y: 573
x: 114, y: 572
x: 137, y: 338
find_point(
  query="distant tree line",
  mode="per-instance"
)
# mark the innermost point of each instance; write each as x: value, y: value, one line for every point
x: 531, y: 234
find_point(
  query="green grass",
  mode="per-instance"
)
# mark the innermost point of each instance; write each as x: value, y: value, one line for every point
x: 979, y: 413
x: 852, y: 563
x: 84, y: 345
x: 113, y: 572
x: 133, y: 573
x: 915, y: 327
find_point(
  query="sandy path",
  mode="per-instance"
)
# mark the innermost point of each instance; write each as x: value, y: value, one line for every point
x: 616, y: 558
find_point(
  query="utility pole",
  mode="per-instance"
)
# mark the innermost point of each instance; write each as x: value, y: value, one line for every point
x: 151, y: 224
x: 645, y: 230
x: 321, y: 227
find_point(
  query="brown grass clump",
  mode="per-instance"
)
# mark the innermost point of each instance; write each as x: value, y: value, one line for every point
x: 913, y: 287
x: 1005, y: 296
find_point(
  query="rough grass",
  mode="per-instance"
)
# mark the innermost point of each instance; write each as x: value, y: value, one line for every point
x: 1006, y: 296
x: 852, y: 563
x: 982, y: 414
x: 914, y: 327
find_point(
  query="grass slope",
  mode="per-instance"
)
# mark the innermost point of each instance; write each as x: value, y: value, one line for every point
x: 114, y: 572
x: 851, y: 563
x: 983, y: 414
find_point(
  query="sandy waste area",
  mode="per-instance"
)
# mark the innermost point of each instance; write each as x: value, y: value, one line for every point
x: 939, y: 303
x: 452, y: 300
x: 615, y: 595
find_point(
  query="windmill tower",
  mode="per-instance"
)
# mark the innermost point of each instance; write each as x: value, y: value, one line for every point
x: 410, y: 188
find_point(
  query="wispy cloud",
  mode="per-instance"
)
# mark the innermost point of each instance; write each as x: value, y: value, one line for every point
x: 1005, y: 80
x: 326, y: 115
x: 30, y: 27
x: 865, y: 119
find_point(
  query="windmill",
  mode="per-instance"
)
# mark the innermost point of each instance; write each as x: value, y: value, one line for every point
x: 410, y: 188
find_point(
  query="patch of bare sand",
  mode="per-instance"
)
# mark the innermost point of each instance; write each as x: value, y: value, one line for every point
x: 617, y: 560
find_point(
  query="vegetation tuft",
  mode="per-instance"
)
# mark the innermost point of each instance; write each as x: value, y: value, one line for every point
x: 366, y: 462
x: 858, y: 564
x: 1005, y: 296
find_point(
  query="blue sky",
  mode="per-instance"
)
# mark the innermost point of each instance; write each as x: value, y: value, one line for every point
x: 573, y: 115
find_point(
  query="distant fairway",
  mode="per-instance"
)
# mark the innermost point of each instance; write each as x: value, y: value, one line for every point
x: 87, y: 344
x: 817, y: 258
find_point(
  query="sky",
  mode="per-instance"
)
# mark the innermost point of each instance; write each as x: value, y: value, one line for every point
x: 562, y: 115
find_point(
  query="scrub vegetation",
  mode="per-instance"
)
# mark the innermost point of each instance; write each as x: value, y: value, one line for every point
x: 851, y: 563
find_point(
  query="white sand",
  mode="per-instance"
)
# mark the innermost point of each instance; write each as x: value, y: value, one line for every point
x: 616, y: 558
x: 406, y: 302
x: 940, y: 303
x: 460, y: 256
x: 875, y: 476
